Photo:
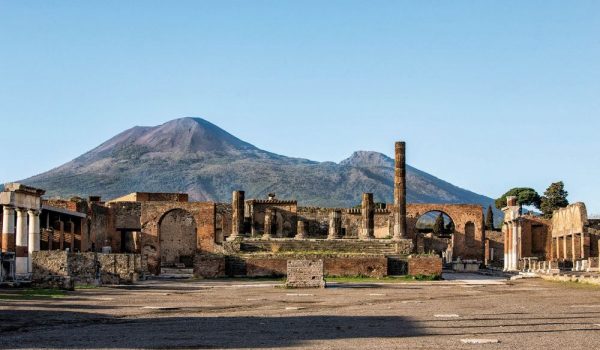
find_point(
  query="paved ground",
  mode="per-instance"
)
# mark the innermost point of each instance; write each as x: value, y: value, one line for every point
x: 524, y: 314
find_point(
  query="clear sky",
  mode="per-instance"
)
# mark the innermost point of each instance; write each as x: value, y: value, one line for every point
x: 489, y: 95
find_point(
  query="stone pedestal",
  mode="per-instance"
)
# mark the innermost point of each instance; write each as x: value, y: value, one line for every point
x: 305, y: 274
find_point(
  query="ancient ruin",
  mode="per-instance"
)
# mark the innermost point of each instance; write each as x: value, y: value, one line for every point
x: 256, y: 237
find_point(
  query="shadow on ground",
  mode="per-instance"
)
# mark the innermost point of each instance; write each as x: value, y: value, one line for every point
x: 85, y: 330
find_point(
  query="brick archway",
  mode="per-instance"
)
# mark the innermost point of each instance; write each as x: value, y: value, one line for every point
x: 177, y: 237
x: 461, y: 215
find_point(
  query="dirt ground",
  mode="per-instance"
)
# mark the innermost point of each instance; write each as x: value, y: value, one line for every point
x: 523, y: 314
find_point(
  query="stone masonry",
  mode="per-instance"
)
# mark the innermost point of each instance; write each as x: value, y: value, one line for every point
x: 305, y: 274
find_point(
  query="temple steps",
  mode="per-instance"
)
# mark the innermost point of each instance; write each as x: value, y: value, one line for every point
x: 375, y: 247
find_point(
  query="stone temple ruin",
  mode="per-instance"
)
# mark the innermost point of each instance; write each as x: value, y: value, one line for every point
x: 141, y: 234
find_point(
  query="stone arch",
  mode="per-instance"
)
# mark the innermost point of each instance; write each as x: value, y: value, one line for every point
x: 177, y: 237
x: 461, y: 215
x: 418, y: 221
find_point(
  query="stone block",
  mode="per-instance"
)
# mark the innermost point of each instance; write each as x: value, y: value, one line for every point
x: 305, y: 274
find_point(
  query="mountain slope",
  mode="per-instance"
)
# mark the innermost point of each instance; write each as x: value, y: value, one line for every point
x: 194, y: 156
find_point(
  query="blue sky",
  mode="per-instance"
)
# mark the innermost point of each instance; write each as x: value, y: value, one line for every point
x: 489, y: 95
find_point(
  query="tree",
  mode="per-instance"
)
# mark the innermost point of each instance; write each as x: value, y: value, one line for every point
x: 525, y: 196
x: 489, y: 219
x: 438, y: 226
x: 554, y: 198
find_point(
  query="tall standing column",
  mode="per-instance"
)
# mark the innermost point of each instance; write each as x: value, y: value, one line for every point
x: 368, y: 217
x: 506, y: 240
x: 565, y: 251
x: 237, y: 220
x: 21, y: 242
x: 34, y: 235
x: 335, y: 224
x: 515, y: 243
x: 8, y: 229
x: 400, y: 191
x: 573, y: 248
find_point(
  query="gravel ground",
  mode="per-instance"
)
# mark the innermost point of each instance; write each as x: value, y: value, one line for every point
x: 524, y: 314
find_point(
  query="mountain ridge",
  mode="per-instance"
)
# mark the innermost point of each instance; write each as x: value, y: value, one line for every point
x: 195, y: 156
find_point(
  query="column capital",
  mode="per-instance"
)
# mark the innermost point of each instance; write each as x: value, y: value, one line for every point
x: 9, y: 207
x: 21, y: 210
x: 33, y: 212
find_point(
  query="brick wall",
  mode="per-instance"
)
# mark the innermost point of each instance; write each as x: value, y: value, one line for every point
x: 424, y: 265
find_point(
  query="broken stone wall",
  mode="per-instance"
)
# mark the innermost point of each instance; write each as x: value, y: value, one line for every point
x: 59, y: 269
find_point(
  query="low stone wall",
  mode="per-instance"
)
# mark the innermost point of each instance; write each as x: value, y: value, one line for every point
x: 340, y: 265
x: 258, y: 267
x: 427, y: 265
x: 60, y: 269
x: 356, y: 266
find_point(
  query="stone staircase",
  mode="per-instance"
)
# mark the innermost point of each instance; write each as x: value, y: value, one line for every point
x: 374, y: 247
x: 176, y: 271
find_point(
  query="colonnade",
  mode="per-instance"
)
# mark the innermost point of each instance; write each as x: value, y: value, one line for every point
x: 23, y: 238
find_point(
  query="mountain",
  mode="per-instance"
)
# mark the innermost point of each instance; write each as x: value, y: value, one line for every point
x: 194, y: 156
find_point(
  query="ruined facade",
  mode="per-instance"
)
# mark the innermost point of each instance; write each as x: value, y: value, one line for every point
x: 569, y: 241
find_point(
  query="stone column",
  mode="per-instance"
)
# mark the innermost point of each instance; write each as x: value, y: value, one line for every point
x: 400, y: 191
x: 583, y: 253
x: 61, y: 235
x: 368, y: 217
x: 269, y: 216
x: 573, y: 248
x: 515, y: 243
x: 335, y: 224
x: 72, y: 234
x: 8, y: 229
x: 556, y: 256
x: 237, y: 220
x: 34, y: 234
x: 565, y: 251
x: 506, y: 240
x: 21, y: 242
x: 300, y: 230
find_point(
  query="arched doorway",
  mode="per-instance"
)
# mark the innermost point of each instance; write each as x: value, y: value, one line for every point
x: 437, y: 229
x: 178, y: 240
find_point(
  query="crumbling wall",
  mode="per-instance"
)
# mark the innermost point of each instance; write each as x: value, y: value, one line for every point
x: 59, y: 269
x: 223, y: 222
x: 126, y: 215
